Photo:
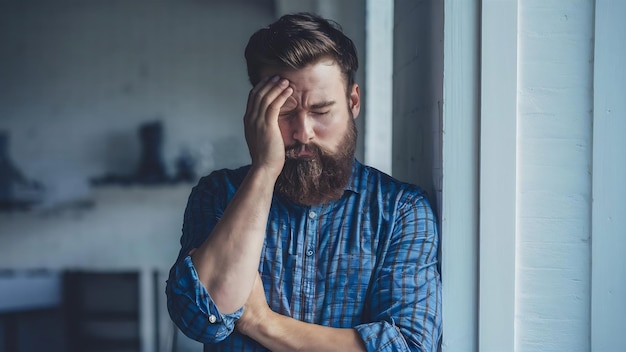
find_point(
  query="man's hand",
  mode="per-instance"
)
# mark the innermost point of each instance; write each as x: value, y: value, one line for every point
x: 263, y: 135
x: 280, y: 333
x: 256, y: 309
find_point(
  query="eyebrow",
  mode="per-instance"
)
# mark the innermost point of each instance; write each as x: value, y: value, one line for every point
x: 322, y: 104
x: 315, y: 106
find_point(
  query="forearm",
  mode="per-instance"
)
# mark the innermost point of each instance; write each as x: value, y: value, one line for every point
x: 227, y: 262
x: 282, y: 333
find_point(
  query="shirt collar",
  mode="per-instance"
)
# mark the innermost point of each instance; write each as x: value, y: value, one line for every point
x: 355, y: 178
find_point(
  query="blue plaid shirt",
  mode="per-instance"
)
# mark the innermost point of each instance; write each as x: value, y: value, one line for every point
x: 366, y: 261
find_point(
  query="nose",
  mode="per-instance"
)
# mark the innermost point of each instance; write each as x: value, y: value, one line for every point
x: 302, y: 128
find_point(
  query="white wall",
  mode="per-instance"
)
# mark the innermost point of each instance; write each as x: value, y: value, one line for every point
x: 608, y: 263
x: 554, y: 119
x: 498, y: 172
x: 460, y: 158
x: 379, y: 89
x: 551, y: 154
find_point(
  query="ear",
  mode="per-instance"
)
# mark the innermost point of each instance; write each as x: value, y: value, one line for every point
x: 354, y: 100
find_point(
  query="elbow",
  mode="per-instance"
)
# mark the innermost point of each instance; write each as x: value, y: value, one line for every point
x: 197, y: 318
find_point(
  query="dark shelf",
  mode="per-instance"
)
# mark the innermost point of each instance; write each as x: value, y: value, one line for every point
x: 102, y: 311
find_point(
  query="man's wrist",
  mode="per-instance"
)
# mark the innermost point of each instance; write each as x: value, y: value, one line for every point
x: 265, y: 329
x: 264, y: 173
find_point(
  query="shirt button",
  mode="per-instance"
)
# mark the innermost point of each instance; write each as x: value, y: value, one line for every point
x: 309, y: 253
x: 212, y: 319
x: 312, y: 215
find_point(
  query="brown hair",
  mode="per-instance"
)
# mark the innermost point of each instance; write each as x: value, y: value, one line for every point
x: 296, y: 40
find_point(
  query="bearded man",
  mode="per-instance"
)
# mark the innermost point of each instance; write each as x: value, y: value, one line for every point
x: 306, y: 249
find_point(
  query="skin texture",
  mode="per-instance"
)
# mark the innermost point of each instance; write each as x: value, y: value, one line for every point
x: 287, y: 106
x: 316, y: 111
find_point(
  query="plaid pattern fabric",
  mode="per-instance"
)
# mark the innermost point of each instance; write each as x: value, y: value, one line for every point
x: 367, y: 261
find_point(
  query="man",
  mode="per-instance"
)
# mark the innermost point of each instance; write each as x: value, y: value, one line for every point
x: 306, y: 249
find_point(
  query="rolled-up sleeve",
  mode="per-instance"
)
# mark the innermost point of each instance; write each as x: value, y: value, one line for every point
x: 405, y: 299
x: 192, y: 309
x: 189, y: 304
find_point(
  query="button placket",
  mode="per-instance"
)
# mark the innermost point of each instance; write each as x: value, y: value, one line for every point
x: 310, y: 262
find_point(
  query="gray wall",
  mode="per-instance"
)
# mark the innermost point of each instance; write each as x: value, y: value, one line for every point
x: 79, y: 77
x: 418, y: 94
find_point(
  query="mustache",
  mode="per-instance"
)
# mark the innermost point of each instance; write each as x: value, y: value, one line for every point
x: 292, y: 151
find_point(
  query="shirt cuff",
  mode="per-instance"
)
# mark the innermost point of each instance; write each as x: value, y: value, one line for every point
x: 387, y: 337
x: 192, y: 308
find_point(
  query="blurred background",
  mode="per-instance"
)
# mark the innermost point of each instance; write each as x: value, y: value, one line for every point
x: 110, y: 110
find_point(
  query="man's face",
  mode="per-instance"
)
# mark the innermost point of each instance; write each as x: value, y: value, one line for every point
x: 318, y: 129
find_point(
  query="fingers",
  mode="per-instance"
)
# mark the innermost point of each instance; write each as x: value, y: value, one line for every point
x: 262, y: 130
x: 267, y: 97
x: 278, y: 103
x: 254, y: 92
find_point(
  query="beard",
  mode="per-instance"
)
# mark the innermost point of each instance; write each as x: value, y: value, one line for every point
x: 321, y: 178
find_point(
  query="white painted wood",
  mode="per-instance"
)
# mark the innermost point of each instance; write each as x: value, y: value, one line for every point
x: 147, y: 312
x: 379, y: 84
x: 498, y: 175
x: 459, y: 220
x: 554, y: 184
x: 608, y: 303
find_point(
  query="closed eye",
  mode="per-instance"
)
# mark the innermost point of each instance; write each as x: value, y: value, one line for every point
x: 286, y: 114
